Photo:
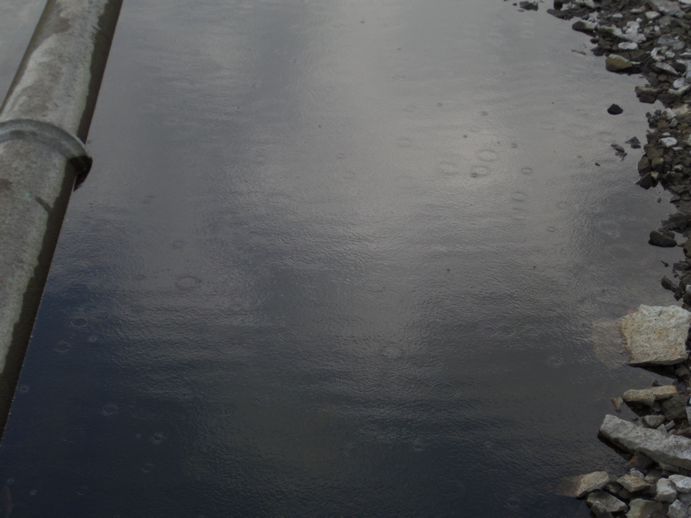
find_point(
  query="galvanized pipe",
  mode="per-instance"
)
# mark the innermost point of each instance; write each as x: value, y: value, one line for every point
x: 44, y: 120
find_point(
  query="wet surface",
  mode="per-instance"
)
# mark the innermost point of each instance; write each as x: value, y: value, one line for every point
x: 336, y: 258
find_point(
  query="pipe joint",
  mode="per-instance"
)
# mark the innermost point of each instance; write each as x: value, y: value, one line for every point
x: 55, y: 137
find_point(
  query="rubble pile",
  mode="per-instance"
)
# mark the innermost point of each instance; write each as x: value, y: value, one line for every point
x: 657, y: 441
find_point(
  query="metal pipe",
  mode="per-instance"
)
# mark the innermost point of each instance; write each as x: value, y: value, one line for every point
x: 44, y: 120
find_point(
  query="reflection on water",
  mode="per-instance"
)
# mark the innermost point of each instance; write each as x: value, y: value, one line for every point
x: 335, y: 258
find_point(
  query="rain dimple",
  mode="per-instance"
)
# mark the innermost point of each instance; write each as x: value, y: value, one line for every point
x: 487, y: 155
x: 478, y: 171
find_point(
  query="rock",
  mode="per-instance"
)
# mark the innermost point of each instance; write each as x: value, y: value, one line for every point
x: 600, y: 511
x: 656, y: 335
x: 608, y: 503
x: 615, y: 109
x: 677, y: 509
x: 674, y: 408
x: 664, y: 491
x: 634, y: 143
x: 665, y: 68
x: 633, y: 483
x: 653, y: 421
x: 628, y: 45
x: 640, y: 508
x: 581, y: 485
x: 647, y: 181
x: 667, y: 283
x: 528, y: 5
x: 617, y: 63
x: 681, y: 483
x: 584, y: 26
x: 666, y: 7
x: 662, y: 238
x: 646, y: 94
x: 648, y: 396
x: 668, y: 141
x: 665, y: 449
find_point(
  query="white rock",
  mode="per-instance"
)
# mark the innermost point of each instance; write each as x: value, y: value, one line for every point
x: 656, y: 335
x: 668, y: 141
x: 651, y: 15
x: 681, y: 483
x: 628, y: 45
x: 666, y: 68
x: 665, y: 449
x: 664, y: 491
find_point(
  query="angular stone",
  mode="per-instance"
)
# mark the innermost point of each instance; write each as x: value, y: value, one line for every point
x: 664, y: 491
x: 662, y: 238
x: 648, y: 396
x: 674, y: 408
x: 663, y: 448
x: 617, y: 63
x: 681, y: 483
x: 646, y: 94
x: 640, y: 508
x: 656, y: 335
x: 653, y: 421
x: 607, y: 502
x: 678, y: 509
x: 581, y: 485
x: 633, y: 483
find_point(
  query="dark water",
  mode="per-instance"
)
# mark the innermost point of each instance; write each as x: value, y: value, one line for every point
x: 335, y: 258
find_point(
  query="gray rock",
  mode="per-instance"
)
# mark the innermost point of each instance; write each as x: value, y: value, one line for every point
x: 677, y: 509
x: 653, y: 421
x: 663, y: 448
x: 600, y: 511
x: 640, y: 508
x: 648, y: 396
x: 666, y: 7
x: 608, y: 503
x: 681, y: 483
x: 664, y: 491
x: 617, y: 63
x: 584, y: 26
x: 656, y: 335
x: 668, y: 141
x: 646, y: 94
x: 581, y: 485
x: 665, y: 68
x: 662, y: 238
x: 633, y: 483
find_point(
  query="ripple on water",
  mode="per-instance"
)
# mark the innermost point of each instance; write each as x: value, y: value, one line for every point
x: 527, y: 171
x: 487, y: 155
x: 478, y: 171
x: 187, y: 282
x: 109, y: 409
x: 62, y: 347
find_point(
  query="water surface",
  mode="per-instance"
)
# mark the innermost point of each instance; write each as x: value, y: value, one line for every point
x: 335, y: 258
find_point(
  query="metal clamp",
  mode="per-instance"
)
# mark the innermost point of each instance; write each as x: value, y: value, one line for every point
x: 70, y: 146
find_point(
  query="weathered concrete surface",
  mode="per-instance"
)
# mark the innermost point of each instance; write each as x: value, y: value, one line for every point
x: 663, y: 448
x: 57, y: 83
x: 656, y: 335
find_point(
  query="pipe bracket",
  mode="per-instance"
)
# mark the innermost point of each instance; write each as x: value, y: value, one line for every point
x: 69, y: 145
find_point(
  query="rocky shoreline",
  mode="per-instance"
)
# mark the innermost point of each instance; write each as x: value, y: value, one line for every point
x: 651, y: 38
